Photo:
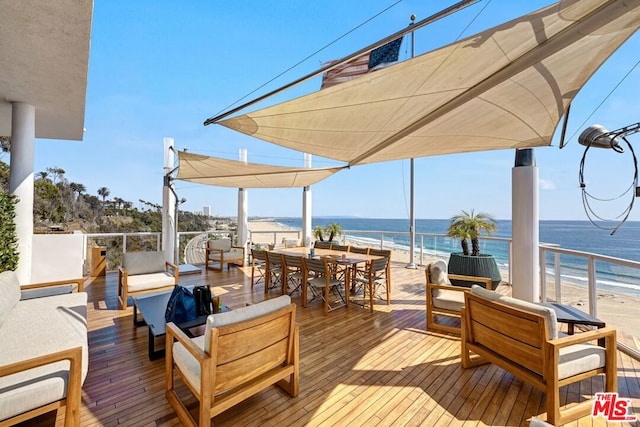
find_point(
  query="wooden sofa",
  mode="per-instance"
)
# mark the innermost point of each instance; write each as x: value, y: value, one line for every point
x: 143, y: 272
x: 522, y: 338
x: 444, y: 300
x: 241, y: 353
x: 44, y: 357
x: 221, y: 252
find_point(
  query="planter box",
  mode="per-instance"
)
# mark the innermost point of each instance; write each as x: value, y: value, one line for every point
x: 480, y: 266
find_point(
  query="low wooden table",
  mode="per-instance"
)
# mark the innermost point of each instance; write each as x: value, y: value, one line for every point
x: 573, y: 316
x: 152, y: 308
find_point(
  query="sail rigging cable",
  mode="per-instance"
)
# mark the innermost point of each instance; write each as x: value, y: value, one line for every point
x: 310, y: 56
x: 443, y: 13
x: 579, y: 128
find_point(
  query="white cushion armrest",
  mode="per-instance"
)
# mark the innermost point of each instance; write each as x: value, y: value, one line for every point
x: 40, y: 381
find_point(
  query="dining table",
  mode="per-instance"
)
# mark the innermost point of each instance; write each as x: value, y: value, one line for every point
x: 347, y: 260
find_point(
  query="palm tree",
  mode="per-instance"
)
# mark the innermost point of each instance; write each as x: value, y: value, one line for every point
x: 318, y: 232
x: 469, y: 225
x: 104, y: 193
x: 77, y: 189
x: 334, y: 229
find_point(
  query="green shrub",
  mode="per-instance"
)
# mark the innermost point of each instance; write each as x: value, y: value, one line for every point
x: 8, y: 237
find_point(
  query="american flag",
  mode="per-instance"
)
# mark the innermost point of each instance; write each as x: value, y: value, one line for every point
x: 376, y: 59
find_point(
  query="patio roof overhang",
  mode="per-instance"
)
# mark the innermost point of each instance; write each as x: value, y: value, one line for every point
x: 44, y: 60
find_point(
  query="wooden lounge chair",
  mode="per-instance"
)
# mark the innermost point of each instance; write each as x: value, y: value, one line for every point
x: 444, y: 300
x: 220, y: 252
x: 522, y: 338
x: 241, y: 353
x: 143, y: 272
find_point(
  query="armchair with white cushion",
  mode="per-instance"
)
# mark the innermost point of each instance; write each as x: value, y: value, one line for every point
x: 221, y: 252
x: 143, y: 272
x: 444, y: 300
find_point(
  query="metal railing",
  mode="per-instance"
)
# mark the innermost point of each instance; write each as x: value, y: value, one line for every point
x: 437, y: 245
x: 276, y: 234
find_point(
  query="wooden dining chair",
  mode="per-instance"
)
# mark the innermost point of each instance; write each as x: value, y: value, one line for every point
x: 385, y: 253
x: 342, y: 248
x: 292, y: 273
x: 274, y: 272
x: 318, y: 278
x: 259, y: 266
x: 322, y: 245
x: 374, y: 280
x: 359, y: 250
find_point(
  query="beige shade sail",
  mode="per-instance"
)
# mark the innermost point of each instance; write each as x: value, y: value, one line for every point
x: 506, y: 87
x: 231, y: 173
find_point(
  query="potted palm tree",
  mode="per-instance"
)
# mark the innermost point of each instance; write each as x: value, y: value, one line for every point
x: 333, y: 230
x: 470, y: 226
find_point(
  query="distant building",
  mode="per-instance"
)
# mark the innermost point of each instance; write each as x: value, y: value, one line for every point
x: 206, y: 210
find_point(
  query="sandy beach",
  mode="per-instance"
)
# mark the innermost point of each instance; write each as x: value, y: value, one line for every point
x: 617, y: 310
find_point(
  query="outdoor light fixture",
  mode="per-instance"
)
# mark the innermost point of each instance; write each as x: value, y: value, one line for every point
x: 599, y: 136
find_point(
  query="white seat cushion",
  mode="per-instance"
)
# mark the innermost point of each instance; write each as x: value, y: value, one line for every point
x: 35, y: 328
x: 449, y: 300
x: 580, y: 358
x: 143, y: 282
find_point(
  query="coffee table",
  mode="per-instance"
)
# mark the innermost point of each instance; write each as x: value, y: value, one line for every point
x: 152, y: 308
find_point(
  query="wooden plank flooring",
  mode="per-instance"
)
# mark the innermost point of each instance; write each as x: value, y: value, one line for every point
x: 357, y: 368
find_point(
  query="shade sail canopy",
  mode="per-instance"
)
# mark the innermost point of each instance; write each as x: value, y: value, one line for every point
x: 236, y: 174
x: 506, y: 87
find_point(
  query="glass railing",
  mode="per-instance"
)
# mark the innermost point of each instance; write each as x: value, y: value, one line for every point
x: 605, y: 287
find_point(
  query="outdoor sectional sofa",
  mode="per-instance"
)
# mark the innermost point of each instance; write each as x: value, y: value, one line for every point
x: 44, y: 356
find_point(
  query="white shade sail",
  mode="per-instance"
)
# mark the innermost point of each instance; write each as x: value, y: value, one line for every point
x: 506, y: 87
x: 231, y: 173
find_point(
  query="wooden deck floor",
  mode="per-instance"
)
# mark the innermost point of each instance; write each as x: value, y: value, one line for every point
x: 357, y: 368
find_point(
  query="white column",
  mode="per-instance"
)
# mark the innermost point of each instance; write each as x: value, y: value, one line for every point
x: 306, y: 207
x: 168, y: 204
x: 243, y: 196
x: 525, y: 227
x: 23, y: 133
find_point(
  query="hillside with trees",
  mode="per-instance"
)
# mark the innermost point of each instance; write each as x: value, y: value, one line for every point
x: 61, y: 205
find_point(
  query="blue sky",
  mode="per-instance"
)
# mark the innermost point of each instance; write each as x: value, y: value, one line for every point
x: 160, y: 68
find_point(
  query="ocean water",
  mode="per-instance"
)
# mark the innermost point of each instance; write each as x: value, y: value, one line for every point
x: 575, y: 235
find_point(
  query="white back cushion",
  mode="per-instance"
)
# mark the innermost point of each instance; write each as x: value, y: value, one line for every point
x: 224, y: 244
x: 438, y: 276
x: 143, y: 262
x: 9, y: 293
x: 549, y: 314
